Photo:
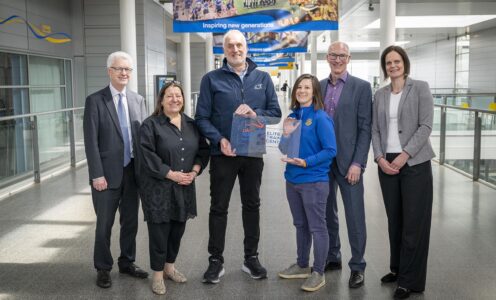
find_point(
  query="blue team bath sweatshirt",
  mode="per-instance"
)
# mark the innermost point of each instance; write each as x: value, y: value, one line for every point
x: 317, y: 146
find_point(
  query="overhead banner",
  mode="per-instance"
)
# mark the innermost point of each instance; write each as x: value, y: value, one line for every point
x: 254, y: 15
x: 269, y: 42
x: 272, y: 60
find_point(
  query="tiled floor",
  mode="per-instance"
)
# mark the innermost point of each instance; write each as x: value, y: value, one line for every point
x: 46, y: 242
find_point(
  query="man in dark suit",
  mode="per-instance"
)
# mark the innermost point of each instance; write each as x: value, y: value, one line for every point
x: 348, y: 100
x: 112, y: 117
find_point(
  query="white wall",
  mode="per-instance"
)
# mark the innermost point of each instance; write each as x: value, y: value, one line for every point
x: 482, y: 75
x: 434, y: 63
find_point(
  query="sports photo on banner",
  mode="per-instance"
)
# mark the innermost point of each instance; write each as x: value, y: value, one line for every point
x: 269, y: 42
x: 254, y: 15
x: 276, y: 59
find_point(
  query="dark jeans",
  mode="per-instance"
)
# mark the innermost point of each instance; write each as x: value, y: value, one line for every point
x: 165, y: 239
x: 105, y: 203
x: 223, y: 173
x: 408, y: 201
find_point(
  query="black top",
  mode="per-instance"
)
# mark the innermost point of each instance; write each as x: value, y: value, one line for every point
x: 163, y: 148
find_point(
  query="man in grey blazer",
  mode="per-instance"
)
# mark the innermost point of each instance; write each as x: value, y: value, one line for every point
x: 348, y: 101
x: 112, y: 117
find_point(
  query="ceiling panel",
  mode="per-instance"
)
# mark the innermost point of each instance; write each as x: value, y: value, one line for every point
x: 356, y: 14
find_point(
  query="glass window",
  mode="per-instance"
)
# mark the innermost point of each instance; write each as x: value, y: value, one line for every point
x: 47, y: 99
x: 13, y: 101
x: 47, y: 86
x: 462, y: 57
x: 46, y: 71
x: 13, y: 69
x: 16, y: 154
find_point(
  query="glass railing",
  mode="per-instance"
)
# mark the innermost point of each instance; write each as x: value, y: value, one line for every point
x: 34, y: 143
x: 464, y: 135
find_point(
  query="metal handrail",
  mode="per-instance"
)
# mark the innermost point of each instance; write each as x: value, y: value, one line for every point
x: 34, y: 126
x: 477, y: 134
x: 467, y: 108
x: 40, y: 113
x: 463, y: 95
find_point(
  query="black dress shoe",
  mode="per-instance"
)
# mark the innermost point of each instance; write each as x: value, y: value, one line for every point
x: 402, y: 293
x: 103, y: 279
x: 389, y: 277
x: 356, y: 279
x: 333, y: 265
x: 134, y: 271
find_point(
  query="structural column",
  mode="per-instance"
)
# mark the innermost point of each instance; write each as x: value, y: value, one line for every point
x: 209, y: 54
x: 388, y: 25
x: 128, y: 37
x: 302, y: 63
x: 313, y: 52
x: 186, y: 72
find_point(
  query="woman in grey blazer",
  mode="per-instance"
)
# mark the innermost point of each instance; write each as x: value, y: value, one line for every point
x: 401, y: 126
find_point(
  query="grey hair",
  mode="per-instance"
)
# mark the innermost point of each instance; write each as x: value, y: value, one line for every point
x: 341, y: 44
x: 118, y: 54
x: 233, y: 32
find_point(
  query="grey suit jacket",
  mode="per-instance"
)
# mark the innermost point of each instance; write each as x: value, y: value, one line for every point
x: 352, y: 123
x: 103, y: 141
x: 415, y: 114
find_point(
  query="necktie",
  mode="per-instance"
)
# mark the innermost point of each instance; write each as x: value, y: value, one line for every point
x: 125, y: 130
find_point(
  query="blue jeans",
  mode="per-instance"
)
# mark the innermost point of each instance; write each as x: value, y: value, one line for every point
x: 307, y: 202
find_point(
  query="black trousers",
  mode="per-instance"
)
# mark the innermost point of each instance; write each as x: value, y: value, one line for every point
x: 408, y: 201
x: 164, y: 242
x: 223, y: 173
x: 106, y: 203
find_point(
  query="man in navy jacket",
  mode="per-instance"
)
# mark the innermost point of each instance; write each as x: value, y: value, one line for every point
x: 237, y: 88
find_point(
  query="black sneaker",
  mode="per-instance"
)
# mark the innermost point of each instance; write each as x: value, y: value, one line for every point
x: 214, y: 272
x: 253, y: 267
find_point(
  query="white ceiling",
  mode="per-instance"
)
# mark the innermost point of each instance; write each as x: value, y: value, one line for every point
x: 355, y: 15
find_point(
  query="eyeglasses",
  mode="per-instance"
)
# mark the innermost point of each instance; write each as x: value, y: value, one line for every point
x: 334, y: 56
x: 120, y: 70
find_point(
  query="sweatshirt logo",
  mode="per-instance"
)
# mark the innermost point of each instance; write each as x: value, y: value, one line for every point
x: 308, y: 122
x: 258, y: 86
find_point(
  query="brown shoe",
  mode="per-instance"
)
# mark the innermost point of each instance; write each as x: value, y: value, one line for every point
x: 158, y: 286
x: 175, y: 276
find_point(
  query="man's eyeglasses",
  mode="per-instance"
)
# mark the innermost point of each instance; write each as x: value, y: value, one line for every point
x: 334, y: 56
x: 120, y: 70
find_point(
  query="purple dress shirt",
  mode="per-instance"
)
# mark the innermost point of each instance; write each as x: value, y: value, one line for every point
x: 333, y: 93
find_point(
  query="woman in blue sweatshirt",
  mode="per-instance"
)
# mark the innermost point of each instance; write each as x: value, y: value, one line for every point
x: 310, y: 145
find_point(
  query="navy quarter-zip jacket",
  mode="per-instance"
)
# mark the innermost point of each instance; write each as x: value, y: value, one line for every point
x: 222, y: 92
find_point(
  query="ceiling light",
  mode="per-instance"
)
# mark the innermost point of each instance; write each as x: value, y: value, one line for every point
x: 434, y: 21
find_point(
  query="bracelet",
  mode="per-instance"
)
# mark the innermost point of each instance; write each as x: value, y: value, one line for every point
x: 195, y: 171
x: 304, y: 164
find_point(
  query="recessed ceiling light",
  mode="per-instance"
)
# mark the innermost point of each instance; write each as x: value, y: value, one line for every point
x: 434, y: 21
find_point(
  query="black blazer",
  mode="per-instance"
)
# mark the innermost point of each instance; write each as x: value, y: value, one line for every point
x: 103, y: 141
